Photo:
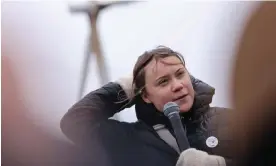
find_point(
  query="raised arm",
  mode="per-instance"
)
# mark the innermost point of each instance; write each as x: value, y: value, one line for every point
x: 84, y: 119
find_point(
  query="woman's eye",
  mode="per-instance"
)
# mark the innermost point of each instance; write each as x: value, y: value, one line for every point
x: 163, y: 82
x: 180, y: 74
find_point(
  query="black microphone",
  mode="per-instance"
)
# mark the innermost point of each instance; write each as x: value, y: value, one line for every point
x: 171, y: 110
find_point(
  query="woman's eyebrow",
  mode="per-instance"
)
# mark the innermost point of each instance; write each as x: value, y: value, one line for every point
x: 179, y: 69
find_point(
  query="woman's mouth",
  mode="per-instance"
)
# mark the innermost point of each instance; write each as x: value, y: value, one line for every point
x: 180, y: 98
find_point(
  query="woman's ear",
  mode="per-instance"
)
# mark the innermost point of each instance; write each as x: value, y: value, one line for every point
x: 144, y: 96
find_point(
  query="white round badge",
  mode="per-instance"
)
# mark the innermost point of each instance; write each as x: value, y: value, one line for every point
x: 212, y: 142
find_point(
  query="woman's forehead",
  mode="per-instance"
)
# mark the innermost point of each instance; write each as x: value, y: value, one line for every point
x: 163, y: 66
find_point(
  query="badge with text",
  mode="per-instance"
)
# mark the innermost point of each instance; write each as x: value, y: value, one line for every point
x: 211, y: 142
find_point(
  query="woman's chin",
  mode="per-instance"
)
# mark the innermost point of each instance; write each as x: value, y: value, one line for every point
x: 185, y: 107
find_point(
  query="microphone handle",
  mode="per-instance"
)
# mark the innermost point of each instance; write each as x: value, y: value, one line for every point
x: 179, y: 132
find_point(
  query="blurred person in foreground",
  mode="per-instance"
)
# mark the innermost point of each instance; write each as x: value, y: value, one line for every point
x: 159, y: 76
x: 254, y: 118
x: 24, y: 141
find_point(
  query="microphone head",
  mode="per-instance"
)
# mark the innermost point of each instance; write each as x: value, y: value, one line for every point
x: 170, y: 108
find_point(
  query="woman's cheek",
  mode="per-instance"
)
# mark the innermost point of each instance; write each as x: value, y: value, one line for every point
x: 165, y: 100
x: 161, y: 98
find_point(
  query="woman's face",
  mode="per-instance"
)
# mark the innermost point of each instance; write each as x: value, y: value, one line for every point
x: 168, y: 80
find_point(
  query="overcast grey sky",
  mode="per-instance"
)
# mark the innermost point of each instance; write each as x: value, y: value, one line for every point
x: 51, y: 44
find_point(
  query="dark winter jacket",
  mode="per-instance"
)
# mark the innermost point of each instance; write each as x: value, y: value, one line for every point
x: 110, y: 142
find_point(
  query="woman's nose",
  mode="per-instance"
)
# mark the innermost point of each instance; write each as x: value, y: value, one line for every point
x: 176, y: 85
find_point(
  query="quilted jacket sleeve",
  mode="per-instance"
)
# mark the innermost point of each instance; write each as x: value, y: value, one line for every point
x: 88, y: 119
